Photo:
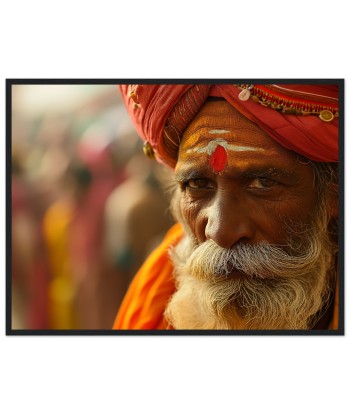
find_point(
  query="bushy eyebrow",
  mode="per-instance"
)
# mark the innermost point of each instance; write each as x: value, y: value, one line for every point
x: 267, y: 172
x: 191, y: 173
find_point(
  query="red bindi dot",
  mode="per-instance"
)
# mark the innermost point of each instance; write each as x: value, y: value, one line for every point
x: 218, y: 159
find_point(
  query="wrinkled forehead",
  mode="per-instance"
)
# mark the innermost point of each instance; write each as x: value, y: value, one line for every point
x: 219, y: 120
x: 221, y: 137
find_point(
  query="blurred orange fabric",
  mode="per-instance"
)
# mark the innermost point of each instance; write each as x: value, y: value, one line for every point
x: 153, y: 285
x: 56, y: 222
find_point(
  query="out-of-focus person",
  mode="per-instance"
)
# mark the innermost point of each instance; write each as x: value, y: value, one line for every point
x: 136, y: 218
x: 30, y: 272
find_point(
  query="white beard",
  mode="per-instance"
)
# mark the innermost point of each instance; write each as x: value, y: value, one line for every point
x: 207, y: 302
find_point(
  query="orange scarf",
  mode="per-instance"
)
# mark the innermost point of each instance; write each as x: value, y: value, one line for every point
x: 152, y: 287
x: 150, y: 290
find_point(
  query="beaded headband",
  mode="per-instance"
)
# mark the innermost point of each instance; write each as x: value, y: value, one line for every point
x: 291, y: 101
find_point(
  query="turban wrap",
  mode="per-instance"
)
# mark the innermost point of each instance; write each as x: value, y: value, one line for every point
x: 290, y: 114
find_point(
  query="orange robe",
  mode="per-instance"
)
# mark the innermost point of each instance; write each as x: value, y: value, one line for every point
x: 150, y: 290
x: 152, y: 287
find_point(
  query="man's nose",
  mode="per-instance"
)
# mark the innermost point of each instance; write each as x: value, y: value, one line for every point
x: 228, y: 222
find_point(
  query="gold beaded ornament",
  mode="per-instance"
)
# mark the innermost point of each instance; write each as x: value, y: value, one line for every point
x: 297, y: 103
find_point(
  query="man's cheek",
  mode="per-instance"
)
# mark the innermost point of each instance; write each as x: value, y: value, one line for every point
x: 278, y: 226
x: 288, y: 211
x: 189, y: 210
x: 192, y: 213
x: 269, y: 222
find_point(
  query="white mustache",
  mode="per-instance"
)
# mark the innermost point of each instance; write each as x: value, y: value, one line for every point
x: 261, y: 260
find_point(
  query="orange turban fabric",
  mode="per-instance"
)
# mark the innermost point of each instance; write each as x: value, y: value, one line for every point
x: 300, y: 117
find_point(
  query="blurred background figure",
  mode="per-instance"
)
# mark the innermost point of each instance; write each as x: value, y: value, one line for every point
x: 30, y: 272
x: 87, y: 205
x: 136, y: 219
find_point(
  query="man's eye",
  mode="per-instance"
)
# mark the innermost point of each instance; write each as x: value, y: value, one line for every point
x: 198, y: 184
x: 262, y: 183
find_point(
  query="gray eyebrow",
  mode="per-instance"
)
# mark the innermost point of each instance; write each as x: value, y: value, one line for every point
x: 193, y: 172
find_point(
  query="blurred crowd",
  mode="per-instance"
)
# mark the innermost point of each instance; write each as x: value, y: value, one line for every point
x: 87, y: 205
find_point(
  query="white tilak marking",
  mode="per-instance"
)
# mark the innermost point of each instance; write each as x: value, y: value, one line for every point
x: 219, y: 131
x: 210, y: 147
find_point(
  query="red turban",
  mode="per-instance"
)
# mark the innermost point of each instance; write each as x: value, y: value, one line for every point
x: 303, y: 117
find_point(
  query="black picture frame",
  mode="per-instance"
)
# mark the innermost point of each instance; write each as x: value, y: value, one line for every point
x: 11, y: 82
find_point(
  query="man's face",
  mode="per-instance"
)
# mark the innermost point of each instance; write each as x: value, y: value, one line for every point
x: 255, y: 246
x: 238, y: 184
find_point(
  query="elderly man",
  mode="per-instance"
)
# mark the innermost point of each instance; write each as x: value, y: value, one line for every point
x: 256, y: 202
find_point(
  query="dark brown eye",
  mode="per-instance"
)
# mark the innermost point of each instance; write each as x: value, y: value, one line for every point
x: 198, y: 184
x: 262, y: 183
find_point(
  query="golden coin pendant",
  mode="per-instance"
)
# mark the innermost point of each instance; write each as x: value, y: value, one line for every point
x: 326, y: 115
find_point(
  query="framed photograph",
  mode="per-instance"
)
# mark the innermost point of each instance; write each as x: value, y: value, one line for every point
x: 175, y: 206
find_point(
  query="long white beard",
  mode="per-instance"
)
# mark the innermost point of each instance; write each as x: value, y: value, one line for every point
x: 279, y: 291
